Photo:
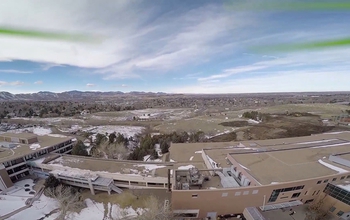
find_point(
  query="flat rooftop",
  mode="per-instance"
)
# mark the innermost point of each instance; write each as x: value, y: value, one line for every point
x: 275, y: 160
x: 113, y: 166
x: 291, y: 165
x: 21, y: 150
x: 24, y: 135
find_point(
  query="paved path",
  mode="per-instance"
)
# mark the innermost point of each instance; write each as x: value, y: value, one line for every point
x: 29, y: 202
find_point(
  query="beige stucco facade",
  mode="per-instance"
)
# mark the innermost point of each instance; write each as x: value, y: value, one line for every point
x: 235, y: 200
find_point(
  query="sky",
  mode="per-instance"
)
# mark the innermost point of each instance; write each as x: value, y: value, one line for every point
x: 173, y: 46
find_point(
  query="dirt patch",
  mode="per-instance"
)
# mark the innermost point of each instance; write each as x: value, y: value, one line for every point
x: 283, y: 126
x: 234, y: 123
x: 232, y: 136
x: 135, y: 198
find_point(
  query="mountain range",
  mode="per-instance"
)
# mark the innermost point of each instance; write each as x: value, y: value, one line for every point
x: 69, y: 95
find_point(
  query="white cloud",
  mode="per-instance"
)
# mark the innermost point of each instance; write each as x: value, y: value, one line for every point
x: 229, y: 72
x: 48, y: 66
x: 283, y: 81
x: 39, y: 82
x: 124, y: 85
x: 14, y: 83
x: 90, y: 85
x: 129, y: 45
x: 14, y: 71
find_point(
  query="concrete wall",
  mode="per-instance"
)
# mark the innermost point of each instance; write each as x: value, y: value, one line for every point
x: 114, y: 176
x: 5, y: 181
x: 234, y: 200
x: 239, y: 168
x: 329, y: 202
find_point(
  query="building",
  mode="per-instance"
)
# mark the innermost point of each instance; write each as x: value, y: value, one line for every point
x: 266, y: 174
x: 247, y: 180
x: 17, y: 149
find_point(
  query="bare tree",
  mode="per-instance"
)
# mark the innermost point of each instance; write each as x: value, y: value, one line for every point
x: 68, y: 201
x: 156, y: 210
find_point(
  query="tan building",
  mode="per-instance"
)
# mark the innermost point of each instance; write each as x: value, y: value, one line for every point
x: 229, y: 177
x: 16, y: 150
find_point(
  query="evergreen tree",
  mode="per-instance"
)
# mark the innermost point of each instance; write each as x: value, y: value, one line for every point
x: 79, y: 149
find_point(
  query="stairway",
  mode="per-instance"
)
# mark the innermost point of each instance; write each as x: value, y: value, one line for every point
x: 116, y: 189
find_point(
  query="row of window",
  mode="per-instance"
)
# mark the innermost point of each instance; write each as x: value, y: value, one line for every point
x: 340, y: 213
x: 338, y: 193
x: 334, y: 179
x: 275, y: 193
x: 236, y: 193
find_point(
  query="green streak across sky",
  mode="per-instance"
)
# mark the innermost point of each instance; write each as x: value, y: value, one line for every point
x: 47, y: 35
x: 287, y: 5
x: 305, y: 46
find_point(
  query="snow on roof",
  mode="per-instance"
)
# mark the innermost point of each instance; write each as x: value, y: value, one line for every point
x: 243, y: 167
x: 76, y: 173
x: 149, y: 166
x: 34, y: 146
x: 345, y: 186
x: 185, y: 167
x: 330, y: 166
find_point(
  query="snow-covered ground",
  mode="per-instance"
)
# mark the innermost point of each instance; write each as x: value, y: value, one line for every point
x: 251, y: 121
x: 17, y: 197
x: 72, y: 128
x: 35, y: 130
x: 93, y: 210
x: 330, y: 166
x: 127, y: 131
x: 50, y: 120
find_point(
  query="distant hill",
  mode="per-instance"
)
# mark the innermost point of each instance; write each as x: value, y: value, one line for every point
x: 69, y: 95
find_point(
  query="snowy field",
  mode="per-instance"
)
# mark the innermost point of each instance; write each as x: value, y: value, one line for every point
x: 93, y: 211
x: 127, y: 131
x: 35, y: 130
x: 50, y: 120
x: 17, y: 197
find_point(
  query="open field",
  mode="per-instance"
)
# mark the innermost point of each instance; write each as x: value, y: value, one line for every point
x: 210, y: 122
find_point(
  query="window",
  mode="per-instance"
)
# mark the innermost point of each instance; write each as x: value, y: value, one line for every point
x: 325, y: 181
x: 305, y: 193
x: 348, y: 177
x: 194, y: 196
x: 235, y: 168
x: 334, y: 179
x: 295, y: 195
x: 224, y: 195
x: 237, y: 193
x: 255, y: 191
x: 332, y: 209
x: 314, y: 193
x: 246, y: 193
x: 318, y: 192
x: 319, y: 182
x: 338, y: 193
x: 284, y: 197
x: 186, y: 213
x: 309, y: 201
x: 340, y: 213
x: 275, y: 193
x: 343, y: 177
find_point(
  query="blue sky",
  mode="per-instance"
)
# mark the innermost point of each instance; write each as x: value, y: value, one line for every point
x: 170, y: 46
